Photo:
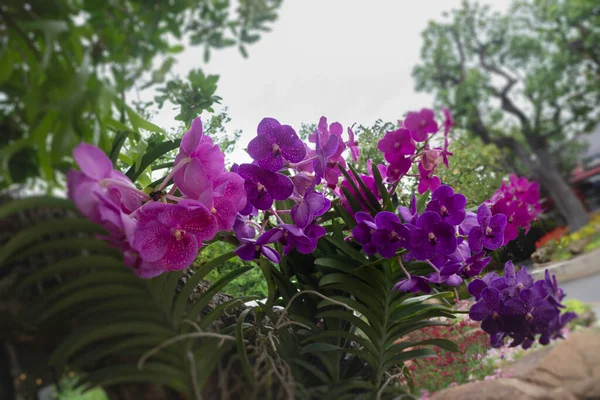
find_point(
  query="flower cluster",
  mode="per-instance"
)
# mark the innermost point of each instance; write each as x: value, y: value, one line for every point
x: 160, y: 232
x: 517, y: 199
x: 445, y: 236
x: 276, y: 204
x: 517, y: 307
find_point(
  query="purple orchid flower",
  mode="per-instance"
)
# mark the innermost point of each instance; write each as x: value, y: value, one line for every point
x: 413, y: 284
x: 98, y: 180
x: 199, y: 162
x: 475, y: 264
x: 396, y: 145
x: 264, y: 186
x: 275, y: 144
x: 400, y: 167
x: 304, y: 240
x: 488, y: 310
x: 427, y: 181
x: 251, y: 249
x: 448, y: 275
x: 363, y: 232
x: 420, y: 124
x: 353, y: 145
x: 313, y: 205
x: 490, y: 233
x: 171, y: 234
x: 409, y: 214
x: 431, y: 235
x: 390, y: 234
x: 450, y: 206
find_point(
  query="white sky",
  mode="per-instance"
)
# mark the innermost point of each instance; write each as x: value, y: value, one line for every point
x: 350, y: 60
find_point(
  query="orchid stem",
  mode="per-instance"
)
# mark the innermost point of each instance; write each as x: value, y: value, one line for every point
x: 176, y: 168
x: 173, y: 198
x: 260, y: 228
x: 277, y: 215
x: 432, y: 266
x: 126, y: 186
x: 402, y: 267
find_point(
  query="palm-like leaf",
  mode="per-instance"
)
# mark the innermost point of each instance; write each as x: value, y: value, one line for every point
x: 115, y: 317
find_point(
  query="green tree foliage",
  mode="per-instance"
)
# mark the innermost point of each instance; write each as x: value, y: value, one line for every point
x: 66, y: 68
x: 476, y: 169
x: 250, y: 284
x: 512, y: 87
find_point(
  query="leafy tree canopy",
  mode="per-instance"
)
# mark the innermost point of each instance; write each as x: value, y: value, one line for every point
x: 66, y: 67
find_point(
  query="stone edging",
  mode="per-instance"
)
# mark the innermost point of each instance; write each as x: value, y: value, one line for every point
x: 578, y: 267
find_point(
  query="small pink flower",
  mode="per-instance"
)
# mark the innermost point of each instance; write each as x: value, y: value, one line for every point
x: 420, y: 124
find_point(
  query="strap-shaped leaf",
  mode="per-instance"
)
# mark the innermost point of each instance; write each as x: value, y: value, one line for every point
x: 359, y: 195
x: 409, y: 355
x: 339, y: 263
x: 182, y: 299
x: 98, y: 278
x: 310, y: 368
x: 34, y: 233
x: 348, y: 219
x: 347, y: 336
x: 79, y: 339
x: 60, y: 245
x: 398, y: 347
x: 370, y: 197
x: 92, y: 355
x: 155, y: 373
x: 359, y: 289
x: 117, y: 144
x: 319, y: 348
x: 151, y: 155
x: 375, y: 321
x: 167, y: 293
x: 82, y: 263
x: 373, y: 277
x: 354, y: 203
x: 383, y: 193
x: 404, y: 329
x: 96, y: 294
x: 29, y: 203
x: 347, y: 249
x: 241, y: 346
x: 347, y: 316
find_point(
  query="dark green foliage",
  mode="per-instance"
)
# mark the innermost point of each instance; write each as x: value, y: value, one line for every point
x: 67, y: 68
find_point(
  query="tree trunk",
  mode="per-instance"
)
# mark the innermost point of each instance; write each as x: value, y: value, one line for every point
x: 544, y: 168
x: 563, y: 195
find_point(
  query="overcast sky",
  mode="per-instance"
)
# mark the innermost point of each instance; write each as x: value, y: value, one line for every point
x: 349, y: 60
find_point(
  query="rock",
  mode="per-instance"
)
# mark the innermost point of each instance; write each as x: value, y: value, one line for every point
x: 541, y: 256
x: 569, y: 371
x: 569, y: 363
x: 577, y: 246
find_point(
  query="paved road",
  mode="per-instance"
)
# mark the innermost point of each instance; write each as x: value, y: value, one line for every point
x: 586, y: 290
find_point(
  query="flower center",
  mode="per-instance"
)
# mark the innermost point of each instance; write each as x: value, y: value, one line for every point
x: 423, y: 123
x: 178, y: 233
x: 444, y: 211
x: 528, y: 317
x: 510, y: 219
x: 495, y: 315
x: 432, y: 238
x: 488, y: 231
x: 257, y: 251
x: 213, y: 210
x: 276, y: 150
x: 521, y: 286
x: 261, y: 187
x: 396, y: 145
